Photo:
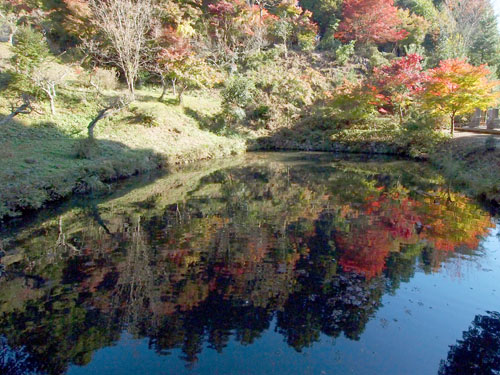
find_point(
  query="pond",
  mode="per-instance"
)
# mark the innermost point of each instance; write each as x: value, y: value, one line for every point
x: 271, y: 263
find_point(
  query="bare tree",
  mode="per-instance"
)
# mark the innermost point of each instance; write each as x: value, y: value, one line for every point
x: 124, y: 26
x: 25, y: 107
x: 10, y: 20
x: 468, y: 16
x: 47, y: 77
x: 115, y: 105
x: 224, y: 48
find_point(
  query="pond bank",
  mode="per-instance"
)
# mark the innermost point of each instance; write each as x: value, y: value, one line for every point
x: 41, y: 163
x: 472, y: 162
x: 41, y: 157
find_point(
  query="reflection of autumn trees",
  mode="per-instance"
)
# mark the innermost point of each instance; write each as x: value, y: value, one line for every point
x: 299, y: 244
x: 394, y: 221
x: 453, y: 223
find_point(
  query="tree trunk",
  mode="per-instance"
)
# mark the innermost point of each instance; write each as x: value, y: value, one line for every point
x: 400, y: 115
x: 164, y: 89
x: 181, y: 91
x: 24, y: 108
x: 452, y: 125
x: 102, y: 114
x: 52, y: 95
x: 130, y: 83
x: 132, y: 90
x: 174, y: 88
x: 52, y: 105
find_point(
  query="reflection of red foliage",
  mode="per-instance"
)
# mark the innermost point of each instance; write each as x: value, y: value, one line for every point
x: 393, y: 220
x: 400, y: 218
x: 455, y: 224
x: 364, y: 250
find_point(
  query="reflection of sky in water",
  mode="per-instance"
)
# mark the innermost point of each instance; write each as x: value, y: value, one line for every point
x: 410, y: 334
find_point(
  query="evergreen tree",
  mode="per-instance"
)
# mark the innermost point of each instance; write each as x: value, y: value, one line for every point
x: 30, y: 50
x: 485, y: 47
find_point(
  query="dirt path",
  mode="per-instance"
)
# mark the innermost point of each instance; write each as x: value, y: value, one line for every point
x: 472, y: 139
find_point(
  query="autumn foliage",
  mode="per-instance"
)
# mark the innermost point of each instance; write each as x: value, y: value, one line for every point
x: 392, y: 220
x: 367, y: 21
x: 456, y: 87
x: 400, y: 82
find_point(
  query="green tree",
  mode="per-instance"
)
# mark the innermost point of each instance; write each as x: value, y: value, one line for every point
x: 325, y: 12
x: 30, y: 50
x: 485, y: 47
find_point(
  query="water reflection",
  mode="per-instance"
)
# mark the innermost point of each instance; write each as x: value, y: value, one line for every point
x: 213, y: 255
x: 479, y: 350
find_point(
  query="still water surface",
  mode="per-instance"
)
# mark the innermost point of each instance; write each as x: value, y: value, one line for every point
x: 289, y: 263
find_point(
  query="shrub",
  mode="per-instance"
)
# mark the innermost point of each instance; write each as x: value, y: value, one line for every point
x: 419, y: 136
x: 328, y: 41
x: 257, y: 58
x: 239, y: 91
x: 490, y: 143
x: 373, y: 55
x: 106, y: 79
x: 30, y: 50
x: 262, y: 112
x: 353, y: 103
x: 344, y: 52
x: 146, y: 116
x: 306, y: 41
x: 235, y: 113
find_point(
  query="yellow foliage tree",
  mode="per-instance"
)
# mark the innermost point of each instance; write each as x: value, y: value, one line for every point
x: 456, y: 87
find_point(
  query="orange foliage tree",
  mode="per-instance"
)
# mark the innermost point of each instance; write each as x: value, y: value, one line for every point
x: 173, y: 52
x: 367, y: 21
x: 456, y: 87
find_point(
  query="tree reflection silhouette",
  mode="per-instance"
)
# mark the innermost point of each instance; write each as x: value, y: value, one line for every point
x: 478, y: 352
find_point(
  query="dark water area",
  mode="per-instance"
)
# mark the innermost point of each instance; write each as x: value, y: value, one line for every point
x: 285, y: 263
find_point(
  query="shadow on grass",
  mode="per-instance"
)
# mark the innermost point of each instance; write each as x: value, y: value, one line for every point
x: 212, y: 123
x: 156, y: 98
x: 5, y: 79
x: 40, y: 164
x: 169, y: 101
x: 205, y: 121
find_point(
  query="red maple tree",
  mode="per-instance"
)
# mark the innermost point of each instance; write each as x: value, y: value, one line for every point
x: 367, y: 21
x: 400, y: 81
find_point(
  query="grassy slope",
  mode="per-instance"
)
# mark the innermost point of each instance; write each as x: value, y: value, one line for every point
x: 466, y: 162
x: 38, y: 161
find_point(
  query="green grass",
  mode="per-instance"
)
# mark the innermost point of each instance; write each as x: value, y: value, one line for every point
x: 38, y: 152
x: 468, y: 164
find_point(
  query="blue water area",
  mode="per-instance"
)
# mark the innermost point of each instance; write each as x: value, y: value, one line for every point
x: 410, y: 334
x: 276, y: 263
